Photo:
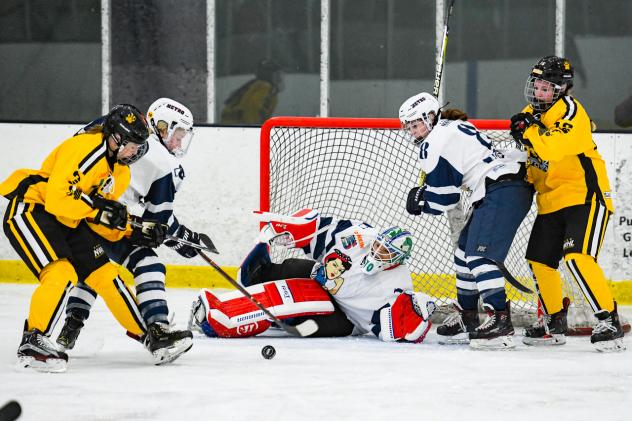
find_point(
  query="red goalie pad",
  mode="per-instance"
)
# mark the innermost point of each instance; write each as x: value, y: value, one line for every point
x: 233, y: 315
x: 292, y: 231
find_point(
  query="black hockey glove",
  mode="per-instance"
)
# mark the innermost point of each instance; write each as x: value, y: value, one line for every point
x: 415, y: 200
x: 519, y: 123
x: 185, y: 234
x: 147, y: 233
x: 111, y: 214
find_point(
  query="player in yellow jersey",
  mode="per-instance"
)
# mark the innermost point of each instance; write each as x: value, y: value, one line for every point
x: 46, y: 223
x: 574, y: 204
x: 255, y: 101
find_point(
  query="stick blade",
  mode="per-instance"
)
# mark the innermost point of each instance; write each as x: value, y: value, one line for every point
x: 205, y: 239
x: 307, y: 328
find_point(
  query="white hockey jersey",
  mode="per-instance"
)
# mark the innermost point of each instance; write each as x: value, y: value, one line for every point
x: 457, y: 157
x: 358, y: 294
x: 155, y: 179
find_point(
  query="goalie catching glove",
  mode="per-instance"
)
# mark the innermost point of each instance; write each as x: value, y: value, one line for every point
x: 111, y: 213
x: 407, y: 319
x: 185, y: 234
x: 147, y: 233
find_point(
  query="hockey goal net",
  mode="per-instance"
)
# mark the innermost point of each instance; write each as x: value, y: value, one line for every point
x: 359, y: 168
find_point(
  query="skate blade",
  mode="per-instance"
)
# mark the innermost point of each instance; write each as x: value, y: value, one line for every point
x: 548, y: 340
x: 164, y: 356
x: 616, y: 345
x: 52, y: 365
x: 459, y: 339
x: 495, y: 344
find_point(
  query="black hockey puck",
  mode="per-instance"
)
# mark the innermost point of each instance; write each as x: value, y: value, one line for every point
x: 268, y: 352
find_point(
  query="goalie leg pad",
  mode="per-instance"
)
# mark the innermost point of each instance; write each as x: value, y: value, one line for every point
x: 250, y: 269
x: 232, y: 315
x: 296, y: 230
x: 407, y: 319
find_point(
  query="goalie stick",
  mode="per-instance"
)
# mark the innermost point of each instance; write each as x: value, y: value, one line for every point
x: 306, y: 328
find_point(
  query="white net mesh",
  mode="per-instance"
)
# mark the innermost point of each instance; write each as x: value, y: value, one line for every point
x: 366, y: 174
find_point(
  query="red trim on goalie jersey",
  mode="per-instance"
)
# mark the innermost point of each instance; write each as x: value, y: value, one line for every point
x: 318, y: 122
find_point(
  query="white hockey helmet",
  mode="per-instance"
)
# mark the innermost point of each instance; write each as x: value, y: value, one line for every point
x: 390, y: 248
x: 172, y: 122
x: 419, y: 114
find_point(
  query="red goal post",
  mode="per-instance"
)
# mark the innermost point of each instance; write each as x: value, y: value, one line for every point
x: 362, y: 168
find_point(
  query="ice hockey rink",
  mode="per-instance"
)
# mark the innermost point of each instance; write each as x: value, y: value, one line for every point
x: 111, y: 377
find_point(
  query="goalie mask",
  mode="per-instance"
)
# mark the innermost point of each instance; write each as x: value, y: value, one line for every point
x: 550, y: 79
x: 390, y: 248
x: 127, y: 126
x: 172, y: 122
x: 418, y: 115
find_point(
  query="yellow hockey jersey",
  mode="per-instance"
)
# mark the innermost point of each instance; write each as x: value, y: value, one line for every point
x: 68, y: 176
x: 253, y: 103
x: 564, y: 165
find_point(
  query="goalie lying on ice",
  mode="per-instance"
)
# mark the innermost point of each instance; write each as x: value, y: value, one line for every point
x: 354, y: 281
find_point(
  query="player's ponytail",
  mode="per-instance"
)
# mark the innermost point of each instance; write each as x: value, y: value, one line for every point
x: 453, y: 114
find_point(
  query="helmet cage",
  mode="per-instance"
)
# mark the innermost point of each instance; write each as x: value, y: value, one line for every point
x: 140, y: 152
x: 172, y: 123
x: 419, y: 111
x: 390, y: 248
x: 542, y: 101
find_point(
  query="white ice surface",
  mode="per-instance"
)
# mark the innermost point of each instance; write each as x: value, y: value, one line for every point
x: 111, y: 377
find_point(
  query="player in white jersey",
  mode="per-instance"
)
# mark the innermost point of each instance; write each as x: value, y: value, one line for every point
x: 156, y: 176
x: 456, y: 159
x: 364, y: 284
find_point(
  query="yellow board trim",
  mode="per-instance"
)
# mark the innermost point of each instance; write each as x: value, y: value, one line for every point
x: 15, y: 271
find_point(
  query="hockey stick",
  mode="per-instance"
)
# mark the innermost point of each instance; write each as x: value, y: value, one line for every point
x: 513, y: 281
x: 444, y: 46
x: 206, y: 246
x: 306, y: 328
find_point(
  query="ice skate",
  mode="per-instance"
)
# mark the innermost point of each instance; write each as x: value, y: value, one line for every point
x: 457, y: 326
x: 549, y: 329
x: 167, y: 345
x: 36, y: 351
x: 70, y: 332
x: 607, y: 334
x: 496, y: 332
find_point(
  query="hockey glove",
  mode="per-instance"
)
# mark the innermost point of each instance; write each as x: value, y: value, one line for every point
x: 111, y: 214
x: 415, y: 200
x: 521, y: 122
x: 185, y: 234
x: 147, y: 233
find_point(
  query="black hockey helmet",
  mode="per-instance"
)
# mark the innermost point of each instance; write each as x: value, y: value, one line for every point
x: 269, y: 71
x: 550, y: 79
x: 128, y: 122
x: 554, y: 69
x: 130, y: 125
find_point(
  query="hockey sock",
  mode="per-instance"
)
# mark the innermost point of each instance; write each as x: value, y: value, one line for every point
x: 591, y: 280
x: 47, y: 301
x: 80, y: 301
x: 489, y: 281
x: 466, y: 289
x: 549, y: 286
x: 118, y: 298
